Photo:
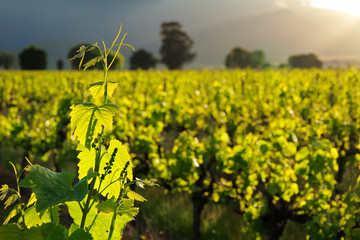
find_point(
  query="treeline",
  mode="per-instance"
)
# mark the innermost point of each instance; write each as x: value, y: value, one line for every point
x: 175, y: 51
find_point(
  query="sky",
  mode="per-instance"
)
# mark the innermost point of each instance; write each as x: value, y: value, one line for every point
x: 215, y: 25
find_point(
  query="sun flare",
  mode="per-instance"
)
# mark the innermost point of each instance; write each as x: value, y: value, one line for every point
x: 348, y: 6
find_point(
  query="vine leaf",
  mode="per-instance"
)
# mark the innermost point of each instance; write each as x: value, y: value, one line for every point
x: 148, y: 182
x: 12, y: 231
x: 11, y: 200
x: 107, y: 206
x: 87, y: 120
x: 15, y: 211
x: 81, y: 52
x: 53, y: 231
x: 80, y: 234
x: 126, y: 207
x: 97, y: 89
x: 135, y: 196
x: 87, y: 160
x: 92, y: 62
x: 34, y: 218
x: 52, y: 188
x: 3, y: 191
x: 101, y: 227
x: 109, y: 185
x: 121, y: 157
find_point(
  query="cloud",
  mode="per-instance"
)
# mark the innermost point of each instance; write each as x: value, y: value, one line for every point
x: 281, y: 3
x: 291, y: 3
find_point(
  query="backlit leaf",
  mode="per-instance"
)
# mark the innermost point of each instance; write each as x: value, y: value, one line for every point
x: 87, y: 160
x: 97, y: 89
x: 15, y: 211
x: 127, y: 208
x: 101, y: 227
x: 92, y: 62
x: 87, y: 119
x: 107, y: 206
x: 34, y: 218
x: 120, y: 160
x: 3, y: 191
x: 11, y: 200
x: 135, y: 196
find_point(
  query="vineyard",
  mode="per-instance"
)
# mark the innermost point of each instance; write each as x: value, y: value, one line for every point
x: 277, y: 147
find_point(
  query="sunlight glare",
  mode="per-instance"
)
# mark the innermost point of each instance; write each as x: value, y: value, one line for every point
x: 348, y: 6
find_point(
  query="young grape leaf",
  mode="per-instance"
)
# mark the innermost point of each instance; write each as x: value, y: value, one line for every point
x: 135, y: 196
x: 15, y: 211
x: 3, y: 191
x: 87, y: 119
x: 127, y: 208
x: 97, y: 89
x: 92, y: 62
x: 32, y: 200
x: 13, y: 232
x: 151, y: 183
x: 11, y: 200
x: 52, y: 188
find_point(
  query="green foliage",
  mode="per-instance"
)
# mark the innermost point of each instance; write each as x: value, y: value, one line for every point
x: 175, y: 45
x: 12, y: 231
x: 33, y: 58
x: 280, y: 145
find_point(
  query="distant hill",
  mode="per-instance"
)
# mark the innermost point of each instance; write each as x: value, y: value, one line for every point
x: 329, y: 34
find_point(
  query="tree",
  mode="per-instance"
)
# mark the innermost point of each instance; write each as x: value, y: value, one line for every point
x: 305, y: 61
x: 117, y: 64
x: 142, y: 59
x: 33, y: 58
x: 60, y: 64
x: 238, y: 58
x: 176, y: 45
x: 7, y: 59
x: 257, y: 59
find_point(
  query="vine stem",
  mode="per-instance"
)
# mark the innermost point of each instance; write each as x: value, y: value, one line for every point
x: 105, y: 78
x: 118, y: 203
x: 87, y: 206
